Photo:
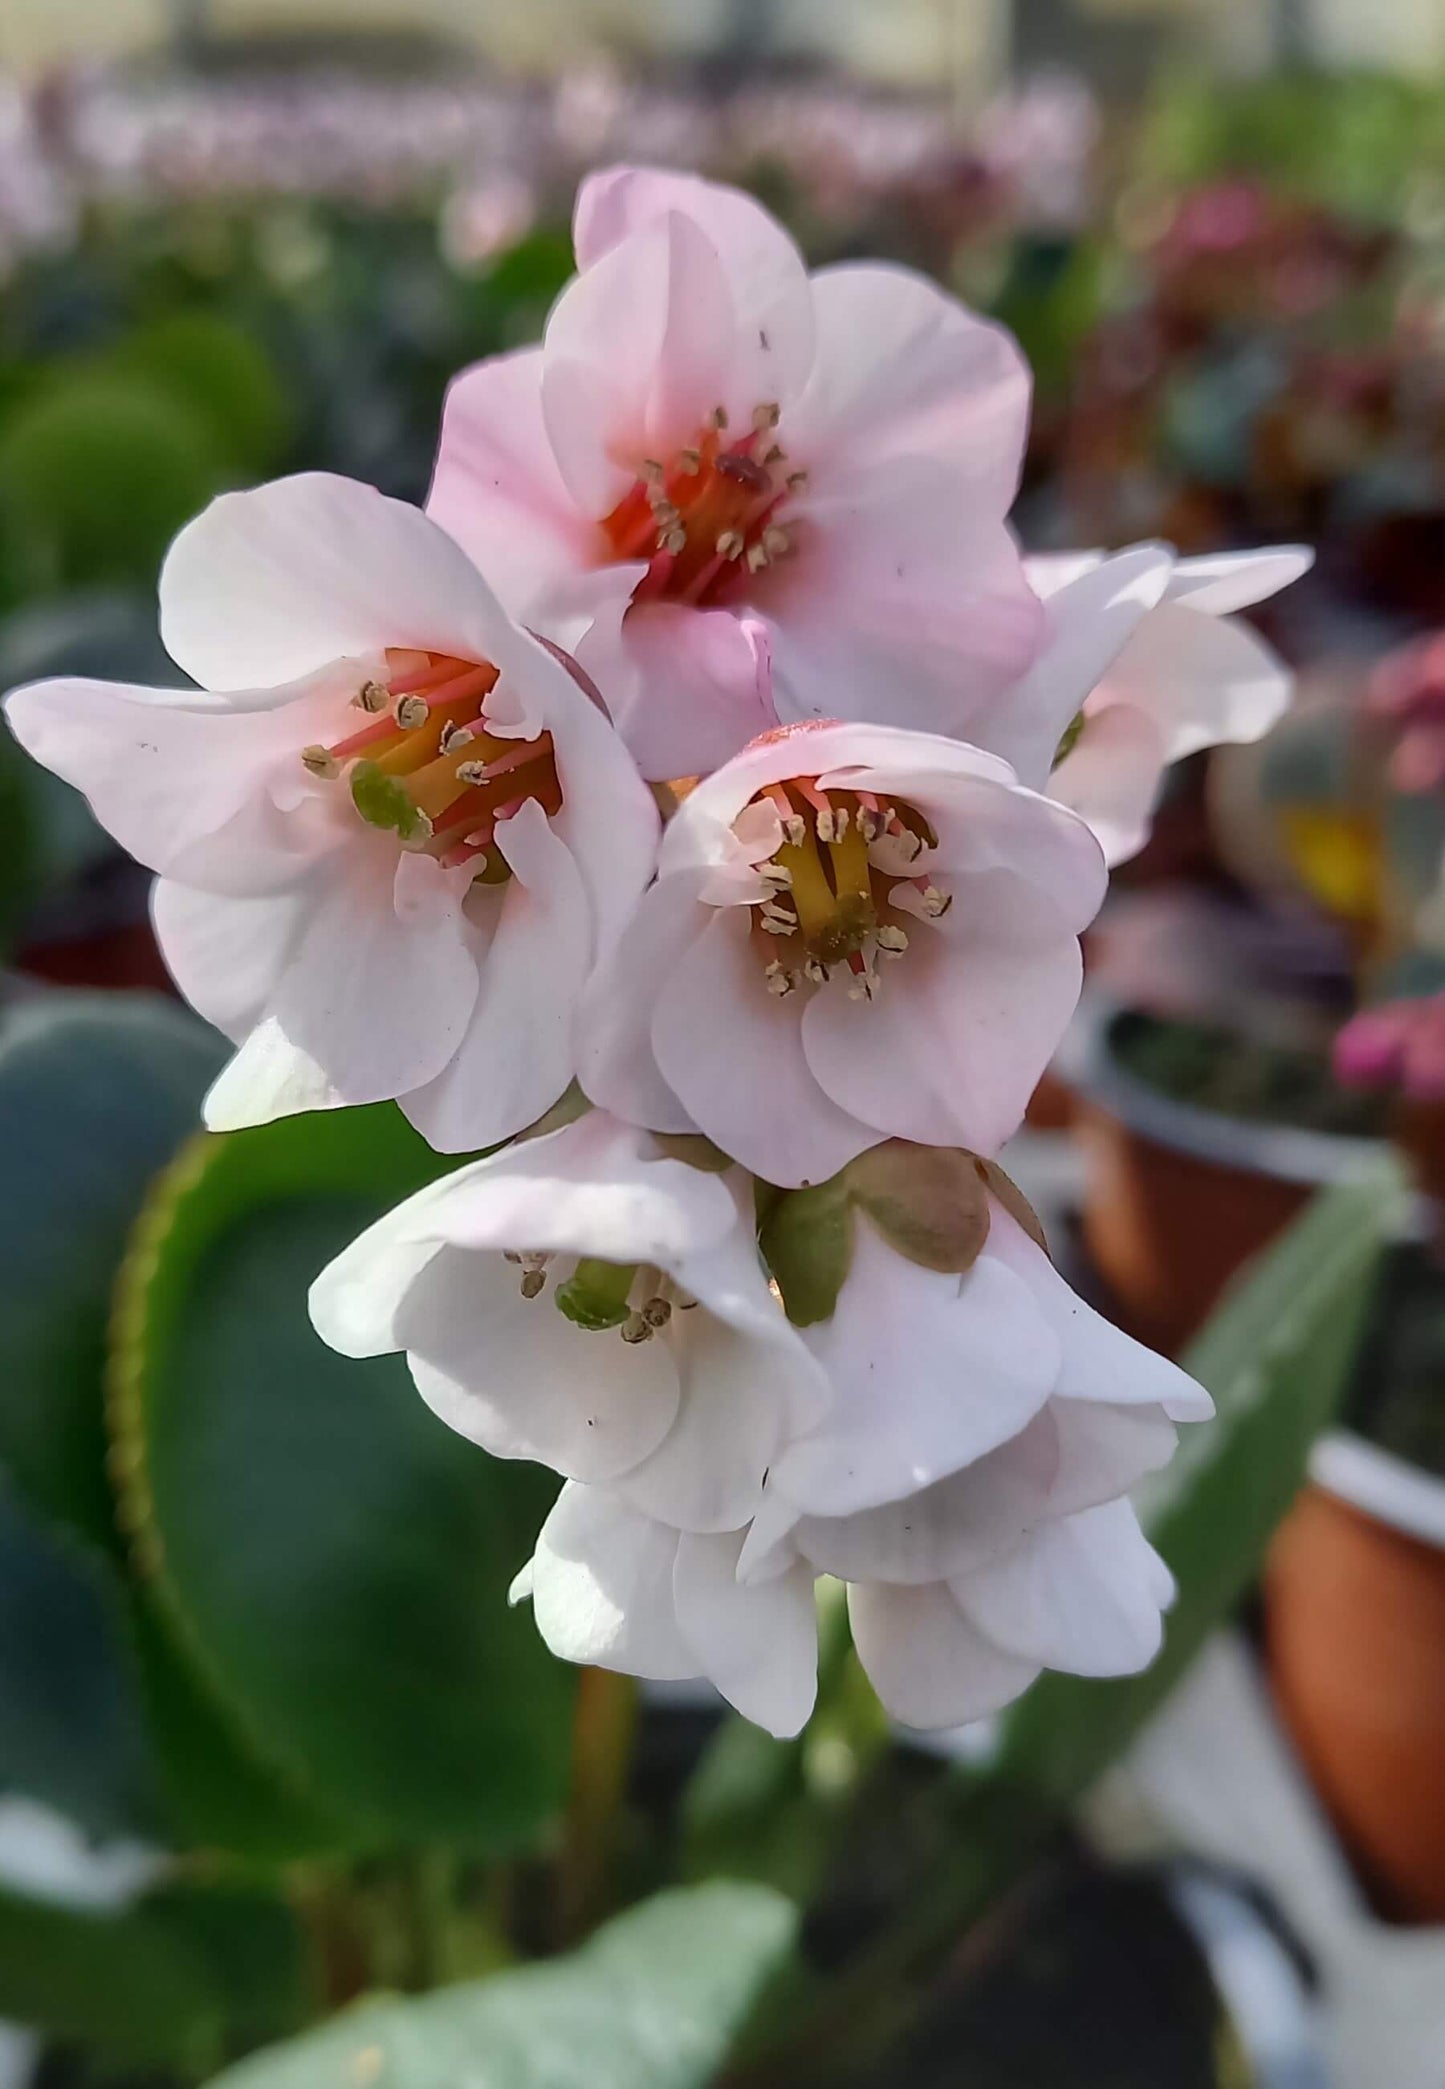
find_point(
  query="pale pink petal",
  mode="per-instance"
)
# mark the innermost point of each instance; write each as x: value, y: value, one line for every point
x: 1112, y: 777
x: 757, y: 1643
x: 496, y: 487
x: 601, y: 1587
x: 615, y: 1062
x: 1104, y: 1450
x: 930, y: 1666
x: 955, y: 1042
x: 269, y: 585
x: 903, y: 370
x: 929, y: 1372
x: 226, y: 955
x: 764, y: 269
x: 732, y: 1053
x: 687, y: 688
x: 1081, y: 1594
x: 380, y: 989
x: 516, y: 1056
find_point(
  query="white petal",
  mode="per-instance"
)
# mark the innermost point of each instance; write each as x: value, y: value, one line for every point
x: 732, y: 1053
x: 382, y: 983
x: 1100, y: 1362
x: 1204, y: 679
x: 1226, y: 580
x: 953, y: 1527
x: 516, y: 1376
x: 1090, y: 620
x: 225, y: 955
x: 929, y: 1665
x: 496, y: 487
x: 270, y: 1076
x: 355, y: 1301
x: 602, y: 1587
x: 757, y: 1643
x: 1081, y: 1594
x: 1105, y: 1450
x: 929, y: 1372
x: 764, y: 269
x: 516, y: 1056
x: 268, y: 585
x: 1112, y: 777
x: 609, y: 818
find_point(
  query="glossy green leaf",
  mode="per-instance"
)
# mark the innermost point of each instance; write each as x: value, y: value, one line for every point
x: 1277, y: 1356
x: 97, y: 1092
x: 71, y: 1727
x: 333, y: 1559
x: 179, y: 1978
x: 655, y: 2001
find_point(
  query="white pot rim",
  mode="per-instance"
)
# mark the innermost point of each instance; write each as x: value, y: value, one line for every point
x: 1388, y: 1488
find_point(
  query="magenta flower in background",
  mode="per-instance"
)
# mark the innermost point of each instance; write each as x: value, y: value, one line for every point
x: 1400, y: 1046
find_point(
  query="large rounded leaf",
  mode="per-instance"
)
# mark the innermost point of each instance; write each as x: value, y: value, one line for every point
x: 334, y: 1558
x: 655, y: 2001
x: 97, y: 1093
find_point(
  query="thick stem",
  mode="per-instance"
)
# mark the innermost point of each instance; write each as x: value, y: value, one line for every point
x: 603, y: 1732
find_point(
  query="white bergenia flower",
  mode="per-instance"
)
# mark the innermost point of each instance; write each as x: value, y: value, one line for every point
x: 715, y: 460
x: 618, y: 1589
x: 585, y: 1300
x: 967, y: 1479
x: 967, y: 1482
x: 392, y: 832
x: 1142, y: 664
x: 857, y: 932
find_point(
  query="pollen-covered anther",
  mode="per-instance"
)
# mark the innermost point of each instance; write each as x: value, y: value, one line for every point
x: 766, y: 416
x: 372, y: 697
x: 936, y: 903
x: 320, y: 761
x: 657, y: 1311
x: 411, y: 712
x: 815, y: 970
x: 777, y: 542
x: 637, y: 1328
x: 892, y: 941
x: 780, y: 981
x: 730, y: 544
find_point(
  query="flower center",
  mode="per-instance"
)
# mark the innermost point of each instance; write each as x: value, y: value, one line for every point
x: 844, y: 888
x: 707, y: 518
x: 427, y: 768
x: 635, y: 1298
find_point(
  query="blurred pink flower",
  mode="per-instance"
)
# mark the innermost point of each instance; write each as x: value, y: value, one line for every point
x: 1407, y: 690
x: 1400, y: 1045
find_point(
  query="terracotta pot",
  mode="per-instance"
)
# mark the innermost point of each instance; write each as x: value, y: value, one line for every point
x: 1355, y: 1626
x: 1178, y: 1198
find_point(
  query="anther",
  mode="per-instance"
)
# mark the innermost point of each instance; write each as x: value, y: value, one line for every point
x: 636, y: 1328
x: 665, y: 511
x: 774, y: 923
x: 780, y: 980
x: 372, y: 696
x: 892, y: 941
x: 534, y: 1283
x: 320, y: 761
x: 675, y: 541
x: 776, y: 541
x: 471, y: 772
x: 867, y: 823
x: 657, y: 1312
x: 775, y: 454
x: 718, y: 418
x: 840, y: 822
x: 826, y: 824
x: 767, y: 416
x: 411, y: 711
x: 454, y: 736
x: 817, y: 971
x: 757, y: 558
x: 935, y: 903
x: 730, y: 544
x: 689, y: 461
x: 796, y: 481
x: 653, y: 471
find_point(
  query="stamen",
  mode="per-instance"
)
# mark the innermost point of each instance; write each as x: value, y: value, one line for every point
x: 766, y: 416
x: 534, y: 1283
x: 637, y: 1328
x: 320, y: 761
x: 794, y: 825
x: 730, y: 544
x: 371, y: 696
x: 780, y: 980
x: 412, y: 711
x: 777, y: 543
x: 892, y: 942
x: 796, y: 481
x: 657, y: 1312
x: 818, y: 972
x: 718, y: 418
x: 689, y: 462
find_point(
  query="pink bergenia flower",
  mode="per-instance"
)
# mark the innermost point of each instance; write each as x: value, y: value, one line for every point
x: 727, y: 485
x: 1407, y: 690
x: 392, y: 833
x: 1142, y: 663
x: 857, y: 933
x: 1399, y: 1046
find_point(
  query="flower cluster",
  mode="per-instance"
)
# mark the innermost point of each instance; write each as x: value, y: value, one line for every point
x: 702, y: 803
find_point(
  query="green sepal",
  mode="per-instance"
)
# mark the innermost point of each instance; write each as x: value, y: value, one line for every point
x: 807, y: 1239
x: 696, y: 1151
x: 928, y: 1202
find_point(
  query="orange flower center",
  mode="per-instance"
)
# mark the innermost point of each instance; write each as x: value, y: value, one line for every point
x: 835, y: 884
x: 427, y: 768
x: 707, y: 518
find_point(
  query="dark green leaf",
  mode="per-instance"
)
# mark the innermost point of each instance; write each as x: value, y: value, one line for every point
x: 96, y: 1094
x: 653, y: 2002
x: 334, y: 1560
x: 71, y: 1729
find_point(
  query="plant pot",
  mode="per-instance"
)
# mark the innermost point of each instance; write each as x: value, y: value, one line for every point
x: 1355, y: 1628
x: 1177, y: 1198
